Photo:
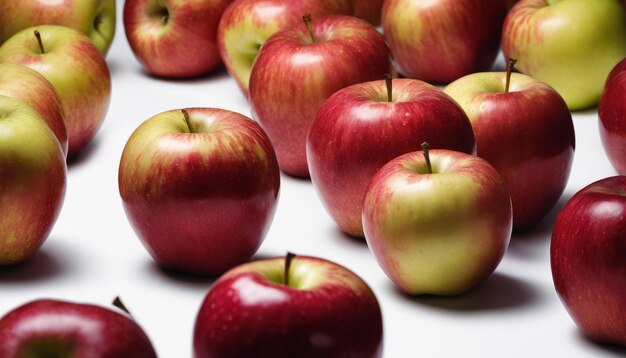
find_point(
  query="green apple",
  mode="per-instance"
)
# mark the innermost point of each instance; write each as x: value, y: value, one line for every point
x: 572, y: 45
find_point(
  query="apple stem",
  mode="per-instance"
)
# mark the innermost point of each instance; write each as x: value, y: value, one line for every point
x: 117, y: 302
x: 288, y: 260
x: 38, y: 36
x: 509, y: 70
x: 388, y: 81
x: 425, y: 149
x: 309, y: 26
x: 187, y: 119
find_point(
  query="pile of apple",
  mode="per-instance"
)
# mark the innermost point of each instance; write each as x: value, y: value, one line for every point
x: 435, y: 180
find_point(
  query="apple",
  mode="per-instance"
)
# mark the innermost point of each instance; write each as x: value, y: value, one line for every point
x: 95, y: 18
x: 442, y: 40
x: 437, y: 222
x: 55, y: 328
x: 289, y: 307
x: 200, y: 188
x: 538, y: 33
x: 25, y: 84
x: 247, y: 24
x: 362, y: 127
x: 525, y: 130
x: 32, y: 181
x: 174, y: 38
x: 76, y: 69
x: 369, y: 10
x: 299, y: 67
x: 612, y: 114
x: 588, y: 259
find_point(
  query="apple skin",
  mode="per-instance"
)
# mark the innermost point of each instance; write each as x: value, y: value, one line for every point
x: 292, y: 77
x: 441, y: 233
x: 200, y: 202
x: 27, y: 85
x: 440, y: 40
x: 575, y: 63
x: 94, y: 18
x: 612, y: 114
x: 325, y: 311
x: 342, y: 163
x: 32, y: 181
x: 184, y: 45
x: 527, y: 134
x: 247, y: 24
x: 588, y: 259
x: 54, y: 328
x: 77, y: 71
x: 368, y: 10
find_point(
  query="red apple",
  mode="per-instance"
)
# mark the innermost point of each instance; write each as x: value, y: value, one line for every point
x: 588, y: 258
x: 442, y: 40
x: 297, y: 70
x: 53, y: 328
x: 174, y: 38
x: 293, y: 307
x: 27, y: 85
x: 369, y: 10
x: 358, y: 130
x: 524, y: 129
x: 612, y: 113
x: 200, y: 188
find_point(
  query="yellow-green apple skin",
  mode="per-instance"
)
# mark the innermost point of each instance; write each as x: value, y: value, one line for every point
x: 32, y: 180
x: 247, y: 24
x: 441, y: 233
x: 25, y: 84
x: 527, y: 134
x: 94, y: 18
x: 76, y: 69
x: 571, y: 45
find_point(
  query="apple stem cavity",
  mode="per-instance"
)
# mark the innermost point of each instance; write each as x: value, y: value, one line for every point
x: 187, y: 119
x: 38, y: 36
x: 389, y: 82
x: 117, y: 302
x: 509, y: 70
x: 288, y: 260
x: 425, y: 150
x: 309, y: 26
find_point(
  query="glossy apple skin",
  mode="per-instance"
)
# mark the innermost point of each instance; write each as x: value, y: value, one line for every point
x: 200, y: 202
x: 527, y: 134
x: 54, y: 328
x: 32, y: 180
x: 27, y: 85
x: 588, y: 259
x: 368, y: 10
x: 612, y: 114
x: 292, y: 78
x: 441, y: 233
x: 325, y: 311
x: 77, y: 71
x: 357, y: 131
x: 247, y: 24
x: 94, y: 18
x: 185, y: 45
x: 539, y: 35
x: 441, y: 40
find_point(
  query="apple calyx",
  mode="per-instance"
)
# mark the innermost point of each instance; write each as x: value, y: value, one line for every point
x: 288, y: 259
x: 38, y: 36
x: 187, y: 119
x: 425, y: 149
x: 389, y: 82
x: 309, y: 26
x: 117, y: 302
x: 509, y: 70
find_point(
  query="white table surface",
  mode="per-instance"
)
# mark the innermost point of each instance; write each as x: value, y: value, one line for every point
x: 92, y: 254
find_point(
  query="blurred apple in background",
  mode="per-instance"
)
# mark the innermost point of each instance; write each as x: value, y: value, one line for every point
x: 32, y: 181
x: 247, y: 24
x: 439, y: 228
x: 174, y: 38
x: 571, y: 45
x: 28, y: 85
x: 289, y: 307
x: 297, y: 70
x: 588, y: 258
x: 442, y: 40
x: 525, y: 130
x: 200, y: 188
x: 612, y: 113
x: 76, y: 69
x: 94, y: 18
x: 369, y: 10
x: 54, y: 328
x: 360, y: 128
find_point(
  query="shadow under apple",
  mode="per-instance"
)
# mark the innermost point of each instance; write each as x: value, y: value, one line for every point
x: 45, y: 264
x: 602, y: 349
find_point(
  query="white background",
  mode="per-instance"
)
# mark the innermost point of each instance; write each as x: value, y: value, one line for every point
x: 92, y: 254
